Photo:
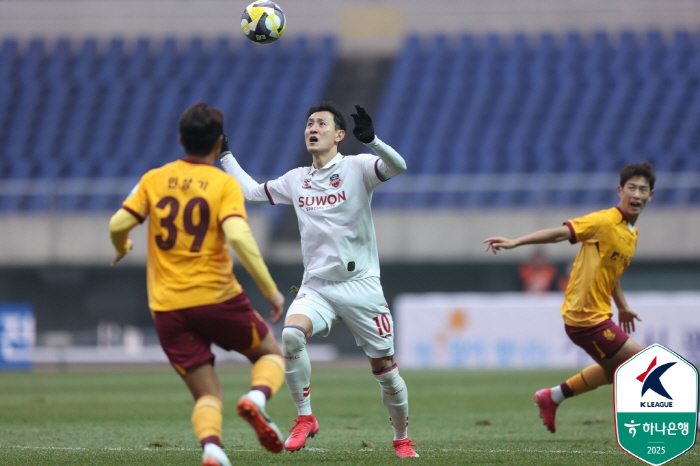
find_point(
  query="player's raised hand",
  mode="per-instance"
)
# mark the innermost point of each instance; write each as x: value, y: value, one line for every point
x: 497, y: 243
x: 627, y: 317
x: 123, y: 252
x: 276, y: 301
x: 224, y: 147
x: 364, y: 129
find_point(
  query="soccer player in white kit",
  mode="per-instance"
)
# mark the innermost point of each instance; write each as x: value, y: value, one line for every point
x: 341, y: 266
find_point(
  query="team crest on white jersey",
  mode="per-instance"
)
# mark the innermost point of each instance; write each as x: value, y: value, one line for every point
x: 306, y: 184
x: 335, y: 180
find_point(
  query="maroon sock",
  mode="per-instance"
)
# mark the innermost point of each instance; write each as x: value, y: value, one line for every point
x: 211, y: 439
x: 265, y: 389
x: 566, y: 390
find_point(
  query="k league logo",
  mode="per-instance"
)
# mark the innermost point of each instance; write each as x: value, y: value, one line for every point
x: 656, y: 404
x: 652, y: 381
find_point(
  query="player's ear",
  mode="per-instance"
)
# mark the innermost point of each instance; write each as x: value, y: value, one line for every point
x: 217, y: 144
x: 339, y: 135
x: 179, y: 139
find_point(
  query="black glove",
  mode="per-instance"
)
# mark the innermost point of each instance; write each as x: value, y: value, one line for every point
x: 224, y: 147
x: 364, y: 129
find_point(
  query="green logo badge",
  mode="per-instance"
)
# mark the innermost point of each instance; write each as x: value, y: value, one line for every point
x: 656, y: 405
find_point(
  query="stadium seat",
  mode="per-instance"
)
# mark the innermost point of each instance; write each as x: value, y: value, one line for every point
x: 58, y: 63
x: 138, y: 63
x: 494, y: 104
x: 8, y: 59
x: 83, y: 70
x: 110, y: 68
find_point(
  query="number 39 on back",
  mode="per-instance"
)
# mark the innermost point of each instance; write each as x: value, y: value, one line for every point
x: 198, y: 230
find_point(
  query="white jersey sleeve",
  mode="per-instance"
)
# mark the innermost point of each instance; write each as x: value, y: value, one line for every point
x: 279, y: 191
x: 390, y: 163
x: 274, y: 191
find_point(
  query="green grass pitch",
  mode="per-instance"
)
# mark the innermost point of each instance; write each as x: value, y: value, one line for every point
x: 457, y: 417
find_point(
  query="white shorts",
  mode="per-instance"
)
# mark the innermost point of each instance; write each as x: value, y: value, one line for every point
x: 358, y: 303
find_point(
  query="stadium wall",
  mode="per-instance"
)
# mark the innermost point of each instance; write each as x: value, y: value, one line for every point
x: 404, y: 236
x: 74, y: 305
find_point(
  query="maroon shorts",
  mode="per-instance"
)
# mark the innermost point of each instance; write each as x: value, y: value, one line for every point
x: 186, y: 335
x: 601, y: 341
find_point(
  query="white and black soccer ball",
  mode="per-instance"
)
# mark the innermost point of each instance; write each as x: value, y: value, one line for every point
x: 263, y: 22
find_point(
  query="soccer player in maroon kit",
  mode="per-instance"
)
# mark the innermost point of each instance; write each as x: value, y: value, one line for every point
x: 194, y: 209
x: 608, y: 241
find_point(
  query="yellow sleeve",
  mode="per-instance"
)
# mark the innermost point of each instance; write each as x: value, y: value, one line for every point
x: 120, y: 225
x: 238, y: 233
x: 591, y: 227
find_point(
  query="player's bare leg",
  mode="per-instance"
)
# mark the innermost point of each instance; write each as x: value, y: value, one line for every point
x: 207, y: 415
x: 395, y: 398
x: 296, y: 332
x: 266, y: 378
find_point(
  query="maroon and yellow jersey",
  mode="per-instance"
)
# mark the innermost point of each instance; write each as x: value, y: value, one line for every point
x: 607, y: 246
x: 189, y: 263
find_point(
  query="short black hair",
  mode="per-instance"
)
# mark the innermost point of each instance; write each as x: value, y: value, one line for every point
x: 200, y: 128
x: 642, y: 169
x: 338, y: 117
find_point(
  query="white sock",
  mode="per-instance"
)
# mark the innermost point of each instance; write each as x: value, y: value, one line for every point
x: 395, y: 398
x: 257, y: 397
x: 298, y: 368
x: 557, y: 395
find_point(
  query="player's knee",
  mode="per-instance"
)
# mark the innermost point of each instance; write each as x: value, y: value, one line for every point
x: 293, y: 339
x: 390, y: 379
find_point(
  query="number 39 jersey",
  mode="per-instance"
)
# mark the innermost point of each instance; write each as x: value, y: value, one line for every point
x: 189, y: 263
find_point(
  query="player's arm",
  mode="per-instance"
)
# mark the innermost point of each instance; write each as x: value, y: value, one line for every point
x: 240, y: 237
x: 624, y: 313
x: 252, y: 190
x: 549, y: 235
x: 121, y: 223
x: 391, y: 163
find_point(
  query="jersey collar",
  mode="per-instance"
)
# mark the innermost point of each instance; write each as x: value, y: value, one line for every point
x: 194, y: 162
x: 624, y: 215
x: 331, y: 163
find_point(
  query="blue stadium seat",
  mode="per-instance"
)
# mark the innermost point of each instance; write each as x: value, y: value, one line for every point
x: 402, y: 75
x: 166, y: 61
x: 138, y: 64
x: 104, y: 136
x: 86, y: 62
x: 472, y: 105
x: 59, y: 62
x: 110, y: 68
x: 79, y: 121
x: 49, y: 130
x: 8, y: 59
x: 29, y: 65
x: 21, y: 127
x: 132, y: 130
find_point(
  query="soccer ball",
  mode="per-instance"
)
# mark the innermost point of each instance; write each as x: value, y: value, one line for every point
x: 263, y: 22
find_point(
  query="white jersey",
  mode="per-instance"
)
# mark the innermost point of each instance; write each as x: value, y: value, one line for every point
x: 332, y: 204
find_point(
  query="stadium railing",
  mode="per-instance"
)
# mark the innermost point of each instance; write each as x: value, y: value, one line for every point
x: 405, y: 191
